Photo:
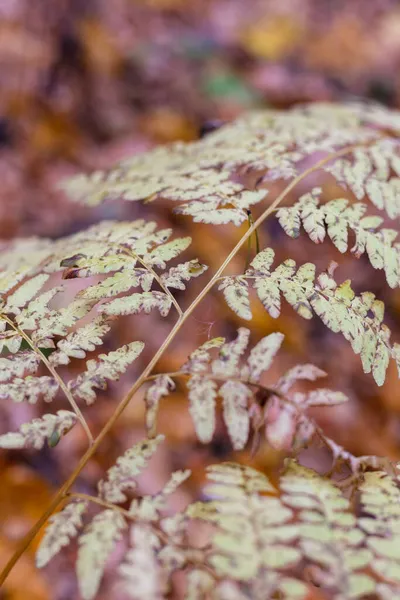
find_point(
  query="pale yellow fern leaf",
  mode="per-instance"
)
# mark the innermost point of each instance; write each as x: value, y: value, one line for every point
x: 62, y: 527
x: 96, y: 544
x: 106, y: 366
x: 142, y: 576
x: 48, y: 428
x: 328, y: 532
x: 121, y: 477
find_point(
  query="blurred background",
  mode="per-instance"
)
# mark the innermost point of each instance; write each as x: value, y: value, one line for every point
x: 84, y: 83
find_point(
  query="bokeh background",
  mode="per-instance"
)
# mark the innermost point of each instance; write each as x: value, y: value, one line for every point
x: 85, y: 83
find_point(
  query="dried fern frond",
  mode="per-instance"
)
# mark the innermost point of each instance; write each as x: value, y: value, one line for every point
x: 48, y: 428
x: 358, y: 318
x: 121, y: 256
x: 335, y: 219
x: 105, y: 367
x: 311, y: 531
x: 328, y: 533
x: 255, y: 542
x: 380, y: 521
x: 62, y: 527
x: 263, y: 541
x: 206, y: 176
x: 246, y: 403
x: 141, y: 571
x: 122, y: 475
x: 367, y: 173
x: 95, y: 546
x: 155, y: 540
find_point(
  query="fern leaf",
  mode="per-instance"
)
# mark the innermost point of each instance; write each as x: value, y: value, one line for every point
x: 358, y: 318
x: 26, y: 361
x: 202, y: 395
x: 30, y: 389
x: 115, y: 284
x: 199, y: 359
x: 235, y: 397
x: 62, y: 527
x: 261, y: 356
x: 253, y: 531
x: 141, y: 572
x: 236, y: 294
x: 106, y: 366
x: 281, y: 415
x: 48, y: 428
x: 86, y: 266
x: 336, y: 218
x: 166, y: 252
x: 161, y: 387
x: 95, y: 546
x: 121, y: 476
x: 30, y: 316
x: 229, y: 354
x: 58, y: 322
x: 367, y: 173
x: 10, y: 340
x: 136, y: 303
x: 77, y: 343
x: 380, y: 496
x: 328, y: 533
x: 324, y: 397
x: 25, y: 293
x: 299, y: 372
x: 149, y: 508
x: 175, y: 277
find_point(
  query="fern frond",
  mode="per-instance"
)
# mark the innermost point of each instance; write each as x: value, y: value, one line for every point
x: 328, y: 532
x: 175, y: 277
x: 358, y: 318
x: 26, y: 361
x: 82, y: 340
x: 62, y: 527
x: 380, y: 501
x: 24, y: 293
x: 48, y: 428
x: 95, y: 547
x: 141, y: 572
x: 121, y: 476
x: 203, y: 175
x: 30, y: 389
x: 336, y: 218
x: 245, y: 402
x: 368, y: 173
x: 136, y: 303
x: 106, y: 366
x: 254, y: 536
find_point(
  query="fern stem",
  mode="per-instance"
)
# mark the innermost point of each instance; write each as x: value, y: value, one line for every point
x: 56, y: 376
x: 25, y: 542
x: 102, y: 503
x: 158, y: 279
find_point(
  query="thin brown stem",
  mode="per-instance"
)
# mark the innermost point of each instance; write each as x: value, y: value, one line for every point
x: 125, y: 401
x: 101, y: 502
x: 54, y: 373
